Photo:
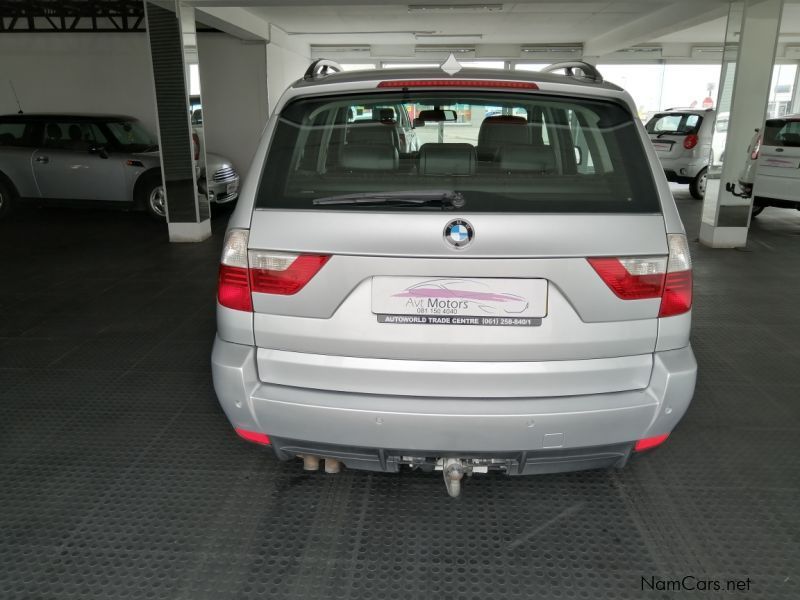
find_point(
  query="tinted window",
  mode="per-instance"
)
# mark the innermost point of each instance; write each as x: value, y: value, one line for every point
x: 781, y: 132
x: 674, y: 123
x: 72, y: 135
x: 131, y: 136
x: 502, y: 153
x: 12, y: 134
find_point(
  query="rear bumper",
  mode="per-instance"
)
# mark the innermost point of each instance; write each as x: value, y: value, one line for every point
x: 561, y: 431
x: 682, y: 170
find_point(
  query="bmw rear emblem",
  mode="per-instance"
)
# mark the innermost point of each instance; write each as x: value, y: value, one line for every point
x: 458, y: 233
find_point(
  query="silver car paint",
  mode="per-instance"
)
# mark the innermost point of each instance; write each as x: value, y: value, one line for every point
x: 283, y: 370
x: 59, y: 174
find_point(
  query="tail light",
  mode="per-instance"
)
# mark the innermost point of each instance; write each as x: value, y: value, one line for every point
x: 651, y: 442
x: 282, y: 273
x: 677, y: 296
x: 196, y: 146
x: 690, y: 141
x: 474, y: 83
x: 632, y: 278
x: 233, y: 288
x: 241, y: 273
x: 756, y: 149
x: 640, y: 278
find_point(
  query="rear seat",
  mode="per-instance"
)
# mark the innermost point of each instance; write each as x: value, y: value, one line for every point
x: 369, y: 157
x: 518, y: 158
x: 447, y: 159
x: 498, y: 131
x: 373, y: 133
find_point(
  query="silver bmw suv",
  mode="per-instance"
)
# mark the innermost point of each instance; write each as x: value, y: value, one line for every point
x: 515, y: 295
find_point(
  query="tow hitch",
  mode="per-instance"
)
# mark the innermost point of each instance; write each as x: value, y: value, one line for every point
x: 454, y: 469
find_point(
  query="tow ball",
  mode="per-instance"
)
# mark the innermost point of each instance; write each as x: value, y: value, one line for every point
x: 453, y: 471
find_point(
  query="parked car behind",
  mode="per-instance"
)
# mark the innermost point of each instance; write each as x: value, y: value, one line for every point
x: 518, y: 302
x: 771, y: 173
x: 683, y: 141
x: 80, y: 159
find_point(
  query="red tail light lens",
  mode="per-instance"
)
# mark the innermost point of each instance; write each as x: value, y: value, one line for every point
x: 639, y: 278
x: 233, y: 289
x: 283, y: 274
x: 651, y: 442
x: 631, y: 280
x: 196, y: 145
x: 690, y: 141
x: 243, y: 272
x: 253, y: 436
x: 473, y: 83
x: 677, y: 297
x: 756, y: 149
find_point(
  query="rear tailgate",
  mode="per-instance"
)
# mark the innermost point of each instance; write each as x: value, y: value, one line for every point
x: 337, y: 313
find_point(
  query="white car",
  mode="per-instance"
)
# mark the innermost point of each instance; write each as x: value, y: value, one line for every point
x: 682, y: 139
x: 772, y: 171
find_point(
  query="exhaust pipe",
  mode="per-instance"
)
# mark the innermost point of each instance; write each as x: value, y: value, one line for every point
x: 310, y: 462
x: 332, y: 465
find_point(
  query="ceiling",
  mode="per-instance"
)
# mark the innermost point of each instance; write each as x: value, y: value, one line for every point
x: 502, y: 23
x: 602, y: 27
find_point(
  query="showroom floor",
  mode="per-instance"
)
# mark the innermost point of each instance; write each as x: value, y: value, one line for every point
x: 121, y: 478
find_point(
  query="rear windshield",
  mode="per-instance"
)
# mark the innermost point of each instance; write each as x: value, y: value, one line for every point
x: 782, y: 132
x: 499, y: 152
x: 674, y: 124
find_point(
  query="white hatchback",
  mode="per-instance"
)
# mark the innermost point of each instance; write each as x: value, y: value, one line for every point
x: 772, y: 171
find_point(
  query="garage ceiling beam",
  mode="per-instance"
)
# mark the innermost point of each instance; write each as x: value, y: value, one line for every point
x: 667, y: 19
x: 50, y: 16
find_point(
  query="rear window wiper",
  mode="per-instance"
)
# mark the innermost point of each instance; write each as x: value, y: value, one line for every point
x: 443, y: 198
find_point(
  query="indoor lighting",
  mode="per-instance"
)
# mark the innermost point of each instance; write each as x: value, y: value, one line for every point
x: 454, y: 8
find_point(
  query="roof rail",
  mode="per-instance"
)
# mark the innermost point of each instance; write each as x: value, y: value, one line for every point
x: 587, y: 71
x: 322, y: 67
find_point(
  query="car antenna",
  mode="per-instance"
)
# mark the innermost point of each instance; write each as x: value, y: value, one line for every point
x: 13, y: 91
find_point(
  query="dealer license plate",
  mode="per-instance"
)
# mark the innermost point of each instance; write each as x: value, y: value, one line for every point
x: 459, y: 301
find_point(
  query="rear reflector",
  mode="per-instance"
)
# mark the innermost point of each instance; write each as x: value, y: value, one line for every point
x: 254, y: 436
x: 282, y: 273
x: 651, y: 442
x: 473, y: 83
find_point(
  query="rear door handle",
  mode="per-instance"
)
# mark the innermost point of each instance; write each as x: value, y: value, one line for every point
x: 43, y: 159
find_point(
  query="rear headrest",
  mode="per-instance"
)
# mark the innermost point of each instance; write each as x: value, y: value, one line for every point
x: 386, y: 115
x: 503, y: 129
x: 370, y: 133
x: 369, y: 157
x: 538, y: 159
x: 53, y: 131
x: 447, y: 159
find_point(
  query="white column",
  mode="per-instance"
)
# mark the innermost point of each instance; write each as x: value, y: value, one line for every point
x: 726, y: 218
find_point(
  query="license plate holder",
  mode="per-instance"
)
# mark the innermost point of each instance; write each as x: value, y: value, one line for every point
x: 463, y: 301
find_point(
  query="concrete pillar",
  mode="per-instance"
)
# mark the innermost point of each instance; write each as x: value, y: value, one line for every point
x: 726, y: 218
x: 187, y: 212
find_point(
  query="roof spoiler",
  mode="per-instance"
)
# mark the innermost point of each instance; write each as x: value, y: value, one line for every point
x: 322, y: 67
x: 584, y: 70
